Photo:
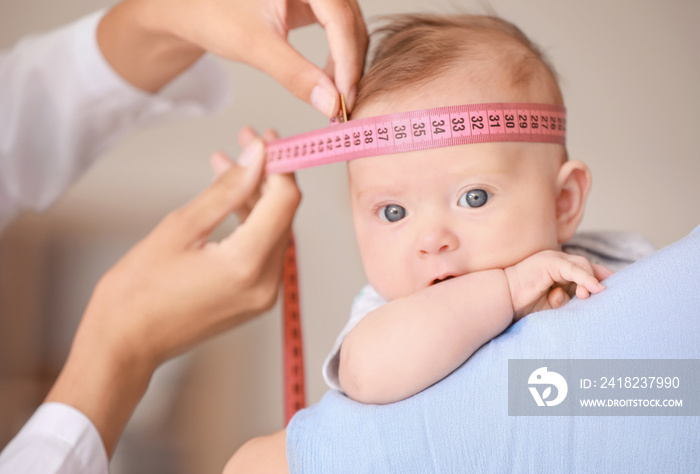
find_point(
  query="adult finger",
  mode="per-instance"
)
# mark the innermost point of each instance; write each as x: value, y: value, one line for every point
x: 297, y: 74
x: 347, y: 40
x: 194, y: 222
x: 246, y: 135
x: 269, y: 220
x: 270, y: 135
x: 220, y: 163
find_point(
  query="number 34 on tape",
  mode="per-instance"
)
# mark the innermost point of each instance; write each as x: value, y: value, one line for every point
x: 419, y: 130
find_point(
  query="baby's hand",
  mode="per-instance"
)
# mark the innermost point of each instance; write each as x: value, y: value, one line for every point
x: 548, y: 279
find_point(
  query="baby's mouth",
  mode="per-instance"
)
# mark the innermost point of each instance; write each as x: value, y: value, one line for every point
x: 440, y: 280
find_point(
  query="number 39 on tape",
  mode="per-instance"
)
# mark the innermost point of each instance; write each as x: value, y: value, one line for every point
x: 419, y: 130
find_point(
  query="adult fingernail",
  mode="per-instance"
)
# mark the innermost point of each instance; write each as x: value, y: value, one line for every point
x: 350, y: 99
x: 249, y: 155
x: 323, y: 101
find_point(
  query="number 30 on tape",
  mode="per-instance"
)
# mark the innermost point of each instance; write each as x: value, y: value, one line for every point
x: 419, y: 130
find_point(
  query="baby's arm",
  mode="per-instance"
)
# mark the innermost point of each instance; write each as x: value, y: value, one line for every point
x: 410, y: 343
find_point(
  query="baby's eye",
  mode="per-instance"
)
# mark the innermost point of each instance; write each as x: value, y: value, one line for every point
x: 392, y: 213
x: 474, y: 198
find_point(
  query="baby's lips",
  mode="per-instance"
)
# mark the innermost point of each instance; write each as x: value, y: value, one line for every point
x: 442, y: 278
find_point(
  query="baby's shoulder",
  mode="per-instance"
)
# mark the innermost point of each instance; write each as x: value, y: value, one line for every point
x: 614, y: 249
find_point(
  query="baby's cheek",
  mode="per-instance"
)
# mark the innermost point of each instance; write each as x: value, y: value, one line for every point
x: 379, y: 280
x: 387, y: 268
x: 382, y: 279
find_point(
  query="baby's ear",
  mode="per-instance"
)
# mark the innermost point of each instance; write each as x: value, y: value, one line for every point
x: 573, y: 184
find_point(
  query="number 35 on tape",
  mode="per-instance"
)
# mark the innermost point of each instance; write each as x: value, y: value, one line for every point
x: 419, y: 130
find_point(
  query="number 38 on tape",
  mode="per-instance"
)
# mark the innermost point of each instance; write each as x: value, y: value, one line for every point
x: 419, y: 130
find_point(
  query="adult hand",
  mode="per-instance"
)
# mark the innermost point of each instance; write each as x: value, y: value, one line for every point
x: 175, y: 289
x: 150, y: 41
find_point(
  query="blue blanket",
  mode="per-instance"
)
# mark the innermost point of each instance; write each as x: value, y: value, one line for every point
x: 650, y: 310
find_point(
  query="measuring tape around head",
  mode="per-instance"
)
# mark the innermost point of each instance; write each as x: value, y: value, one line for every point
x: 419, y: 130
x: 388, y: 134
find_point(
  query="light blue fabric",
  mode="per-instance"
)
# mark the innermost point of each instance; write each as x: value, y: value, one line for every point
x: 650, y: 310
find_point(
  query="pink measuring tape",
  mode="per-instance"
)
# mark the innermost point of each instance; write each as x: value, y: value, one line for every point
x: 383, y: 135
x: 418, y: 130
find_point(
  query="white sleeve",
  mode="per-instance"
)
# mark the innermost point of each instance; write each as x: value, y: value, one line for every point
x: 61, y: 105
x: 57, y: 439
x: 365, y: 302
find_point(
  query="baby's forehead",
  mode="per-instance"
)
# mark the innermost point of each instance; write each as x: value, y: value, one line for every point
x: 504, y: 161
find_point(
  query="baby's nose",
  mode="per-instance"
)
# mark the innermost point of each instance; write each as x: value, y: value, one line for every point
x: 438, y: 240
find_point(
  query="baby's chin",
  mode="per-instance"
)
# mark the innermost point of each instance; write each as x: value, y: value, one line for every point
x: 390, y: 293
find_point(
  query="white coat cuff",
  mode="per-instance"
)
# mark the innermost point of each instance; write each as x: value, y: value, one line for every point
x: 57, y: 438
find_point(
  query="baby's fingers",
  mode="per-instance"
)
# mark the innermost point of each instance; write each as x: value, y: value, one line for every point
x: 558, y: 297
x: 583, y: 275
x: 601, y: 272
x: 582, y: 292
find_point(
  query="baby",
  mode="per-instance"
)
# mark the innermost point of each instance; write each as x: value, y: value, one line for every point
x: 457, y: 242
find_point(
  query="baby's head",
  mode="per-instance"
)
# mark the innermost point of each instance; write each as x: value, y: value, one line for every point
x: 424, y: 216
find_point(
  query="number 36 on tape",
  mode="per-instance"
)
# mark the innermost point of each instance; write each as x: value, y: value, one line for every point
x: 419, y: 130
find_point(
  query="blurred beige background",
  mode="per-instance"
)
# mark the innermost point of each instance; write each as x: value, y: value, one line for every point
x: 630, y: 72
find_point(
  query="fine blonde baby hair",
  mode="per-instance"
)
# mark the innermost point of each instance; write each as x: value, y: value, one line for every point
x: 413, y: 49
